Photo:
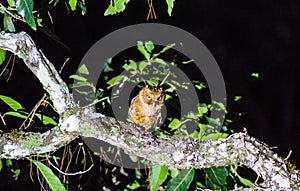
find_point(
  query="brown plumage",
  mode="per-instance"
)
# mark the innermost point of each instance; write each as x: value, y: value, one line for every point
x: 146, y: 108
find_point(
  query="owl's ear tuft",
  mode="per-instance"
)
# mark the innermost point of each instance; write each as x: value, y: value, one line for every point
x: 145, y: 83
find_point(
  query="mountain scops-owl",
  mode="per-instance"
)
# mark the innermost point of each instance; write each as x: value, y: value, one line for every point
x: 146, y: 108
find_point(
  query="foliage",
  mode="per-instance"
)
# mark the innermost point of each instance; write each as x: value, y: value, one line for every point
x: 182, y: 181
x: 84, y: 87
x: 216, y: 177
x: 52, y: 180
x: 2, y: 56
x: 255, y: 75
x: 156, y: 66
x: 17, y: 110
x: 158, y: 175
x: 11, y: 165
x: 24, y: 9
x: 118, y: 6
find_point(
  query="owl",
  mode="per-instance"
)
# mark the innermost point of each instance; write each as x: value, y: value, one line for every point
x: 146, y: 108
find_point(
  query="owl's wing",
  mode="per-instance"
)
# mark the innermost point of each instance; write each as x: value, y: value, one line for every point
x: 158, y: 120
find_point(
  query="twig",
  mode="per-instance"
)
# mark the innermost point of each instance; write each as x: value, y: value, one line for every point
x: 12, y: 67
x: 70, y: 174
x: 12, y: 15
x: 6, y: 65
x: 64, y: 64
x: 151, y: 12
x: 32, y: 112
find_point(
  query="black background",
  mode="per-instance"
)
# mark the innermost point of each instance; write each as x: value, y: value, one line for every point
x: 243, y: 37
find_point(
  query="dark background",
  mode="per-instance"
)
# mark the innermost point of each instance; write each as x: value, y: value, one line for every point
x: 243, y: 37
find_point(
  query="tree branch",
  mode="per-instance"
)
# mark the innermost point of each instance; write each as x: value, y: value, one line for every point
x: 23, y: 46
x: 238, y: 149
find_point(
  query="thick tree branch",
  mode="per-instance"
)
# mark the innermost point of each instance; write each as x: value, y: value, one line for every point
x: 23, y: 46
x: 238, y: 149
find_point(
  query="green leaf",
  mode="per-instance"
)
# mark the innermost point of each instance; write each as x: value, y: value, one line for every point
x: 83, y: 69
x: 188, y: 61
x: 245, y: 181
x: 182, y: 181
x: 200, y: 86
x: 82, y: 7
x: 131, y: 66
x: 202, y: 109
x: 116, y: 6
x: 8, y: 23
x: 82, y: 92
x: 215, y: 136
x: 224, y: 128
x: 11, y: 3
x: 134, y: 185
x: 168, y: 97
x: 170, y: 6
x: 16, y: 114
x: 45, y: 119
x: 39, y: 22
x: 203, y: 128
x: 1, y: 165
x: 216, y: 176
x: 166, y: 48
x: 2, y: 10
x: 199, y: 184
x: 73, y: 4
x: 220, y: 105
x: 115, y: 79
x: 52, y: 180
x: 2, y: 55
x: 237, y: 98
x: 138, y: 174
x: 142, y: 49
x: 255, y: 75
x: 158, y: 175
x: 160, y: 61
x: 174, y: 172
x: 13, y: 104
x: 8, y: 162
x: 174, y: 124
x: 143, y: 65
x: 153, y: 82
x: 80, y: 84
x: 107, y: 68
x: 228, y: 120
x: 55, y: 2
x: 213, y: 121
x: 79, y: 78
x: 24, y: 8
x: 149, y: 46
x: 16, y: 173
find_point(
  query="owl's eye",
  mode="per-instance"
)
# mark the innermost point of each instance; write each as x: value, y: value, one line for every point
x: 148, y: 97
